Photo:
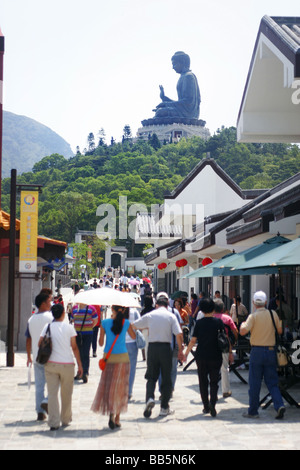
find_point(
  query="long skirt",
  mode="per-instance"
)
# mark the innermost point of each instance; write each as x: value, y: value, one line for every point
x: 113, y: 389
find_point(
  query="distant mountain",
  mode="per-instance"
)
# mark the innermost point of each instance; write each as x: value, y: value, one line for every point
x: 26, y: 142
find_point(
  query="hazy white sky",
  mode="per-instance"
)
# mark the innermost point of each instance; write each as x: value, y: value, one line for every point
x: 77, y: 66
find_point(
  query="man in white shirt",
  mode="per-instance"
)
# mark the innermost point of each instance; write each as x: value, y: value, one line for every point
x: 35, y: 326
x: 162, y: 326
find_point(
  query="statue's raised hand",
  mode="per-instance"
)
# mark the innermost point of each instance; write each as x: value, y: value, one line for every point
x: 162, y: 92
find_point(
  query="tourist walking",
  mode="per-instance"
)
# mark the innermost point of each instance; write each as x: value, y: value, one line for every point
x: 131, y: 314
x: 285, y: 314
x: 162, y: 325
x: 227, y: 358
x: 148, y: 307
x: 84, y: 318
x: 59, y: 370
x: 35, y: 325
x: 263, y: 360
x: 174, y: 345
x: 238, y: 311
x: 192, y: 320
x: 112, y: 394
x: 208, y: 356
x: 96, y: 330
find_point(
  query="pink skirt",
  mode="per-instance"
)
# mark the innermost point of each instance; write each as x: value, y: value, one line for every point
x: 112, y: 392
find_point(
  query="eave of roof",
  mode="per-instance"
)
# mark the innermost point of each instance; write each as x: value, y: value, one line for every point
x: 273, y: 28
x: 5, y: 221
x: 197, y: 169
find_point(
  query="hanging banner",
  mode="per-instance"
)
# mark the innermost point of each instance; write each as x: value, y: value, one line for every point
x: 28, y: 231
x: 89, y: 254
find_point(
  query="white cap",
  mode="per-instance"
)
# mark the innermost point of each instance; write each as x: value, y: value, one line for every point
x: 260, y: 297
x: 162, y: 294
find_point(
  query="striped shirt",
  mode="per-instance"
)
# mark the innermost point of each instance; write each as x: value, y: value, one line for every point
x: 78, y: 318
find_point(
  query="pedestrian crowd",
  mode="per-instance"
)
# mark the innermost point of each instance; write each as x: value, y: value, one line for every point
x: 167, y: 330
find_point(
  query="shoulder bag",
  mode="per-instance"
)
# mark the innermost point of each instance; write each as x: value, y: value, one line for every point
x: 223, y: 341
x: 103, y: 361
x: 140, y: 339
x: 45, y: 348
x: 282, y: 357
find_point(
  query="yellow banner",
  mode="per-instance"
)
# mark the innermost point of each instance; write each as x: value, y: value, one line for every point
x: 29, y: 231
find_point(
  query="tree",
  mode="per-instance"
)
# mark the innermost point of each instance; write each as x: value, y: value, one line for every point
x: 69, y: 212
x: 154, y: 142
x: 53, y: 161
x: 91, y: 142
x: 127, y: 135
x: 101, y: 137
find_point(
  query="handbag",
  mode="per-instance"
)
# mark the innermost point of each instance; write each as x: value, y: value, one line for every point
x: 103, y: 360
x: 45, y: 348
x: 281, y: 352
x: 140, y: 339
x: 223, y: 341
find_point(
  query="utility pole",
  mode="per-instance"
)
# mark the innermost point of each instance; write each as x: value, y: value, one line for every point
x: 10, y: 357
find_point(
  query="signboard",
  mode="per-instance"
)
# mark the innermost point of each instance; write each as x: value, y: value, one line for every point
x: 89, y: 253
x: 28, y: 231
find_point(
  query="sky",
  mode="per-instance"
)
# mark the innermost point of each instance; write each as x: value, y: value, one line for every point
x: 79, y: 66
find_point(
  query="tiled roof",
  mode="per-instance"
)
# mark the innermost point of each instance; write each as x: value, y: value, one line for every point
x: 5, y: 221
x: 147, y: 226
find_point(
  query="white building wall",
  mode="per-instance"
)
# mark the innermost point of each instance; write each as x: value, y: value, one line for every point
x: 209, y: 189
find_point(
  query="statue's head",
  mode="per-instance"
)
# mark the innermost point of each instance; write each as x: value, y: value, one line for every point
x: 181, y: 62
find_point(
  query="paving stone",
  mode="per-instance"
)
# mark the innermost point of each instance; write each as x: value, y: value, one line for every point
x: 187, y: 430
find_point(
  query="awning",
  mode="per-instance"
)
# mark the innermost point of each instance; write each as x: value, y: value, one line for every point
x: 211, y: 270
x: 287, y: 255
x: 54, y: 265
x: 230, y: 265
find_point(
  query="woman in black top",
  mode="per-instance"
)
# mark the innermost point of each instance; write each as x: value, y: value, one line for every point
x: 208, y: 356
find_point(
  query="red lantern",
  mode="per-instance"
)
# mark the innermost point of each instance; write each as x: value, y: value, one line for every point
x: 206, y: 261
x: 162, y: 266
x: 181, y: 263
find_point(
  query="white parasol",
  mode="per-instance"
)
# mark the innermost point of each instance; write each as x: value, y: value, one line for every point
x: 106, y: 296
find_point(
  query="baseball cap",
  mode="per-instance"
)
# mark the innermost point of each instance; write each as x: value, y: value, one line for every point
x: 162, y: 295
x: 260, y: 296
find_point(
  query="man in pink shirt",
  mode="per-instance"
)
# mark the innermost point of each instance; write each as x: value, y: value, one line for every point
x: 227, y: 357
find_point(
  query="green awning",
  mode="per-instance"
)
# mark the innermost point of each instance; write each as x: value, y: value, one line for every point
x: 284, y: 256
x: 230, y: 265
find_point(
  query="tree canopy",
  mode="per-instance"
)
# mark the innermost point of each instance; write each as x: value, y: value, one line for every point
x: 144, y: 171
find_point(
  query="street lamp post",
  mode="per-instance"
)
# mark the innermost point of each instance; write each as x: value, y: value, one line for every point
x: 11, y: 271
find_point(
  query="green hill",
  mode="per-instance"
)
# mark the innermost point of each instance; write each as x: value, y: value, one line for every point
x: 26, y: 141
x: 74, y: 187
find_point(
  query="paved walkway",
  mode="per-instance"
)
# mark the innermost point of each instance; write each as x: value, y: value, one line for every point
x: 188, y: 429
